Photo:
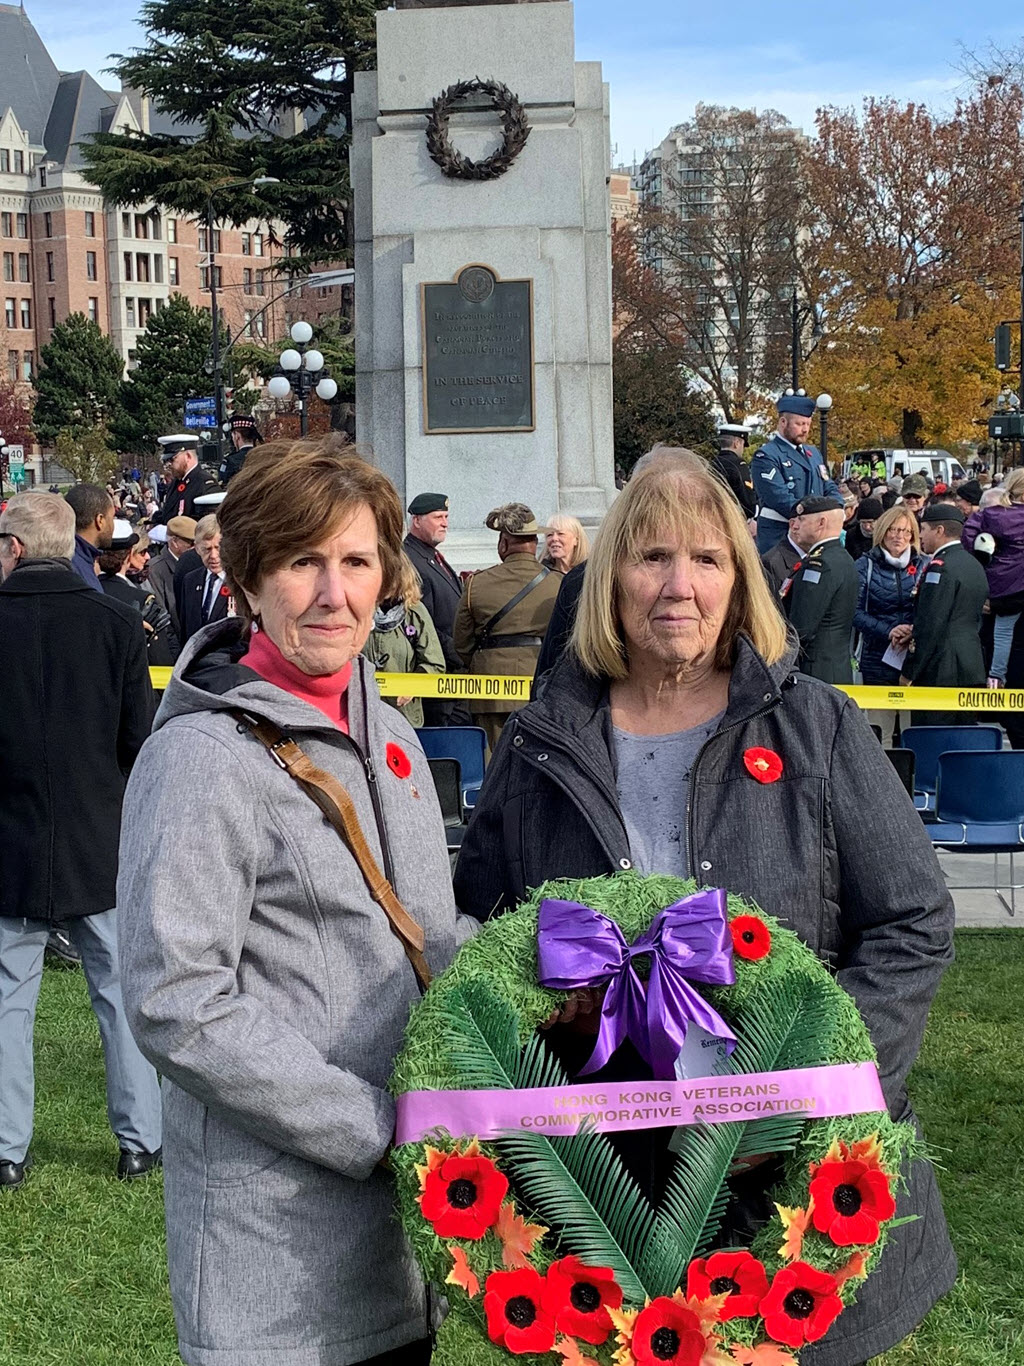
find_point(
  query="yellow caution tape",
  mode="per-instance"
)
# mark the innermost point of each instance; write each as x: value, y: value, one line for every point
x: 935, y: 699
x: 502, y: 688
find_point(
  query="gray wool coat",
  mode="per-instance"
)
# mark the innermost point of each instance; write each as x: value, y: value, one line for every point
x: 267, y: 988
x: 834, y: 849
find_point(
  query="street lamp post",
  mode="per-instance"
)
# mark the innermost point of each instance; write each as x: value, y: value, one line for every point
x: 823, y: 403
x: 302, y: 372
x: 5, y: 451
x: 795, y: 342
x: 254, y: 182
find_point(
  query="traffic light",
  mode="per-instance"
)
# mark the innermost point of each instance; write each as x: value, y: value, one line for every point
x: 1006, y: 427
x: 1003, y: 346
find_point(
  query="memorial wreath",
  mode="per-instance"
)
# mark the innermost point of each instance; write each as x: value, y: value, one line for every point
x: 515, y: 126
x: 514, y: 1198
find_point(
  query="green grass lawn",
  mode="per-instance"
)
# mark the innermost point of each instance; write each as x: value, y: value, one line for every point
x: 82, y: 1280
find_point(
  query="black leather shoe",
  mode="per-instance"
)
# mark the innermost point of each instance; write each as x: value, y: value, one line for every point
x: 60, y: 951
x: 130, y: 1166
x: 12, y: 1174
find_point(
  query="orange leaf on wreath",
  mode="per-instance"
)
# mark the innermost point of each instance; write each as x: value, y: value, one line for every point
x: 767, y: 1354
x: 715, y: 1354
x: 570, y: 1350
x: 708, y: 1311
x: 623, y: 1321
x: 854, y: 1270
x: 868, y: 1151
x: 796, y: 1223
x: 517, y: 1237
x: 462, y: 1273
x: 435, y: 1158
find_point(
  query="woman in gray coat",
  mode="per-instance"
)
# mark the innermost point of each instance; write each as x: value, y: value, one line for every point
x: 260, y: 977
x: 675, y: 737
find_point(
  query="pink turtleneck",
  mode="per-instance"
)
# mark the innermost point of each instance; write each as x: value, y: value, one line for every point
x: 329, y: 692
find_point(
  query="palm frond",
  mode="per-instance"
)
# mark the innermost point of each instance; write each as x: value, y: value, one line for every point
x: 786, y: 1025
x: 484, y: 1038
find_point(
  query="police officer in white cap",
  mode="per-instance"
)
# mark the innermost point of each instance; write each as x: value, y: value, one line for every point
x: 786, y: 470
x: 181, y: 453
x: 732, y: 469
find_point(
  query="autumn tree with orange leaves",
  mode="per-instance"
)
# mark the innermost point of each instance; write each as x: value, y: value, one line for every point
x: 914, y: 247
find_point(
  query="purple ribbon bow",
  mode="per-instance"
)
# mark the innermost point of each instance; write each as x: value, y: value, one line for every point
x: 579, y: 947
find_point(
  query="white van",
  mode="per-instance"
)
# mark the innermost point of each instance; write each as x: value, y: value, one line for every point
x: 939, y: 466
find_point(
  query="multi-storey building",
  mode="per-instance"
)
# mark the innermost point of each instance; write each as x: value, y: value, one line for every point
x: 720, y: 223
x: 64, y: 249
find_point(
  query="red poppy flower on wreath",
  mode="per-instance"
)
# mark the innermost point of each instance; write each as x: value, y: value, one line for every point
x: 801, y: 1305
x: 578, y: 1298
x: 736, y: 1274
x: 763, y: 764
x: 751, y: 938
x: 516, y: 1316
x: 667, y: 1332
x: 851, y: 1200
x: 462, y: 1196
x: 398, y: 760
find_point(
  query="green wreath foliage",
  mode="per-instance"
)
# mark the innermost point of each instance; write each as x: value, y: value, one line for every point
x: 478, y: 1028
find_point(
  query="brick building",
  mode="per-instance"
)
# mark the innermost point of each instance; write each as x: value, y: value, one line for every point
x: 64, y: 249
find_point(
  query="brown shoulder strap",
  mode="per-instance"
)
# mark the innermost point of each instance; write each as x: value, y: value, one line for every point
x: 338, y: 807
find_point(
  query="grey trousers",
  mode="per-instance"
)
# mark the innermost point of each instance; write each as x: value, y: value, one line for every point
x: 133, y: 1092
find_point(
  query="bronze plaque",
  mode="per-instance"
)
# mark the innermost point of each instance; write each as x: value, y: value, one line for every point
x: 477, y: 354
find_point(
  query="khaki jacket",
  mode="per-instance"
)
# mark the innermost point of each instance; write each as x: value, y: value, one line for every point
x: 485, y: 594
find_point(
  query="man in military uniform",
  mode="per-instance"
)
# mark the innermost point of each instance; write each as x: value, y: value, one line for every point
x: 946, y: 646
x: 822, y: 594
x: 732, y: 469
x: 504, y: 612
x: 786, y: 471
x: 442, y: 590
x: 244, y: 436
x: 782, y: 561
x: 181, y: 454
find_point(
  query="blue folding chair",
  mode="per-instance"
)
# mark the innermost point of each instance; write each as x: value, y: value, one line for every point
x: 929, y: 742
x: 979, y: 808
x: 467, y: 744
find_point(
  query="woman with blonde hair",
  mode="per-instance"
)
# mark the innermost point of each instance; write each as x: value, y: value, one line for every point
x: 888, y: 576
x: 1002, y: 526
x: 675, y: 737
x: 566, y: 544
x: 404, y: 640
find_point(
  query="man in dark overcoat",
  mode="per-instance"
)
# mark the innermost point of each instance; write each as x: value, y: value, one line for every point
x: 75, y: 707
x: 822, y: 594
x: 442, y: 592
x: 189, y: 481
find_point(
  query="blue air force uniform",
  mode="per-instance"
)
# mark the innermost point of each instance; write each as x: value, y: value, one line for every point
x: 785, y: 474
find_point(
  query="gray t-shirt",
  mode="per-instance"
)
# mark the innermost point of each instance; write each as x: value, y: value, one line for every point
x: 652, y: 775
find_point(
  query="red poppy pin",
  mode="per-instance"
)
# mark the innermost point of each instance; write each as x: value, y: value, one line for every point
x: 911, y: 568
x: 763, y: 764
x: 225, y: 591
x: 181, y: 488
x: 398, y: 760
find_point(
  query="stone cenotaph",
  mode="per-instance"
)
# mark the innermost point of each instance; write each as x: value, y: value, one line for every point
x: 480, y: 161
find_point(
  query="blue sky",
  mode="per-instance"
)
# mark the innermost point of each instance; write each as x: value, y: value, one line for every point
x: 662, y: 57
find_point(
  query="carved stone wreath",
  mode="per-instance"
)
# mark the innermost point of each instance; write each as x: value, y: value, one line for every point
x: 513, y: 121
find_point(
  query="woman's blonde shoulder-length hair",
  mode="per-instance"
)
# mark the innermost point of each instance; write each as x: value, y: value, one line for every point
x: 884, y: 524
x: 572, y: 526
x: 675, y: 494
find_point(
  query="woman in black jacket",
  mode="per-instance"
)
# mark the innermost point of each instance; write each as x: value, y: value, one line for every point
x: 635, y: 755
x: 888, y: 577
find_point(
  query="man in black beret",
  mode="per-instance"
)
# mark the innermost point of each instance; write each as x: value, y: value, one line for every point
x: 822, y: 595
x: 948, y: 601
x: 442, y: 591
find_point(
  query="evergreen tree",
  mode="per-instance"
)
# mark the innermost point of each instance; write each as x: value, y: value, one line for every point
x: 171, y: 354
x: 232, y: 73
x: 79, y: 380
x: 655, y: 401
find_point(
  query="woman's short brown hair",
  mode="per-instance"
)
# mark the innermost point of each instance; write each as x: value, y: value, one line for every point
x: 676, y: 494
x: 292, y: 494
x: 884, y: 524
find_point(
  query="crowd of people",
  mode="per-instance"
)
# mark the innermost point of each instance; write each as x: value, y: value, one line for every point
x: 268, y: 966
